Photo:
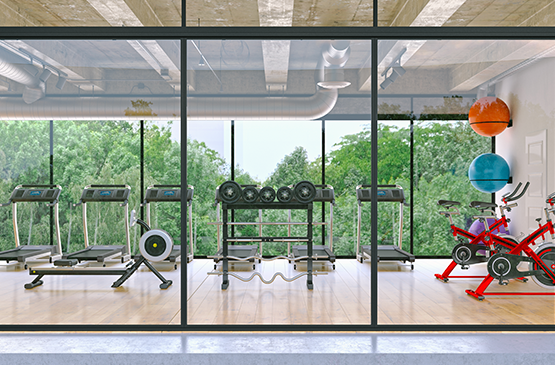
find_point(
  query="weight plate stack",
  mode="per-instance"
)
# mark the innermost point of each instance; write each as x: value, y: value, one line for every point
x: 230, y: 192
x: 250, y: 194
x: 284, y: 194
x: 304, y: 191
x: 267, y: 194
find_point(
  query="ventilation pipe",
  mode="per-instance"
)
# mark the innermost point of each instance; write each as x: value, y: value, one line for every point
x: 13, y: 67
x: 329, y: 79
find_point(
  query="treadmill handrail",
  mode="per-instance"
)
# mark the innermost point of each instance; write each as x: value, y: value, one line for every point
x: 108, y: 186
x: 39, y: 186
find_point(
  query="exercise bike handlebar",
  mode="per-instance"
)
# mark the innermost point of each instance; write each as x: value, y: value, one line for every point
x: 511, y: 193
x: 512, y: 198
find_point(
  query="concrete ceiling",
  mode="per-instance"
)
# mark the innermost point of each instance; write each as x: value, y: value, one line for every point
x: 270, y: 67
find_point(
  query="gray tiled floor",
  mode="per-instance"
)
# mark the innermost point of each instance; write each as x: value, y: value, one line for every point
x: 265, y: 348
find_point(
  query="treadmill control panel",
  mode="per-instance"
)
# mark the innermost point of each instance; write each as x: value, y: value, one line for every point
x: 105, y: 195
x: 35, y: 195
x: 166, y: 195
x: 324, y: 195
x: 384, y: 195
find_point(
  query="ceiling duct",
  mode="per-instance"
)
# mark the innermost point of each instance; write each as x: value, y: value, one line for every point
x: 91, y: 108
x: 13, y: 68
x: 334, y: 57
x: 329, y: 73
x: 265, y: 108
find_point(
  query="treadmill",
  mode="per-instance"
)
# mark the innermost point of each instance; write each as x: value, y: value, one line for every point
x: 30, y: 254
x: 320, y: 253
x: 386, y: 193
x: 102, y: 254
x: 171, y: 193
x: 240, y: 251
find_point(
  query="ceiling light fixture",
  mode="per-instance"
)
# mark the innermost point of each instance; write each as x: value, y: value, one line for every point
x: 396, y: 70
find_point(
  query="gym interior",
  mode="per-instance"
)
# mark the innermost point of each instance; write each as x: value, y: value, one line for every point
x: 315, y: 168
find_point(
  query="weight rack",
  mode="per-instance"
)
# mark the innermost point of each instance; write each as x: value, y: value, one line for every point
x: 260, y: 206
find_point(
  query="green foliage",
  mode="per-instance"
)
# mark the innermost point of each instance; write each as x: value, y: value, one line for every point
x: 108, y: 152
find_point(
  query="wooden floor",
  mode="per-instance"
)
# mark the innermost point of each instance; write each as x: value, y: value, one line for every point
x: 89, y: 299
x: 341, y: 297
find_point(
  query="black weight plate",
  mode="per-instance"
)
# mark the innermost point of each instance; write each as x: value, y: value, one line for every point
x: 250, y: 194
x: 267, y: 194
x: 155, y: 245
x: 284, y: 194
x: 305, y: 191
x: 230, y: 192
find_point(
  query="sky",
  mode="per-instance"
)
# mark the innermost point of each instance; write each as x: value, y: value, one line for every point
x: 260, y: 146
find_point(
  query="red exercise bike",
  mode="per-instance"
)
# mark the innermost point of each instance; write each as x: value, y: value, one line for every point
x: 504, y: 265
x: 466, y: 253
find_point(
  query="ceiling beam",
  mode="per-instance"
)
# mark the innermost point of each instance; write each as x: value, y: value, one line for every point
x: 276, y: 13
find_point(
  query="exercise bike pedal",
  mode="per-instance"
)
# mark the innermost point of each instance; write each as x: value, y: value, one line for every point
x: 465, y: 267
x: 503, y: 282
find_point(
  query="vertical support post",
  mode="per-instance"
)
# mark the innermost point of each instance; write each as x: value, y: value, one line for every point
x: 218, y: 226
x: 324, y: 181
x: 289, y: 232
x: 127, y: 235
x: 411, y: 193
x: 331, y: 227
x: 85, y: 226
x: 15, y: 228
x: 309, y: 283
x: 233, y: 173
x: 191, y: 245
x: 183, y: 144
x: 493, y: 151
x: 52, y: 181
x: 225, y: 279
x: 374, y: 183
x: 260, y: 230
x: 57, y: 224
x: 142, y: 177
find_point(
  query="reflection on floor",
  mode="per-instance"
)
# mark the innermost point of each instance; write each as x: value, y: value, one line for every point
x: 89, y: 299
x: 341, y: 297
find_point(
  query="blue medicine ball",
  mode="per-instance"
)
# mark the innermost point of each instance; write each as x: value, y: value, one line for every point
x: 489, y: 173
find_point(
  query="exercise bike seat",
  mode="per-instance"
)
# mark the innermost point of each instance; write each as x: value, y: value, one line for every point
x: 482, y: 205
x: 447, y: 203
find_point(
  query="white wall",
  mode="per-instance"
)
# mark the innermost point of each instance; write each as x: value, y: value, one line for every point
x: 530, y: 95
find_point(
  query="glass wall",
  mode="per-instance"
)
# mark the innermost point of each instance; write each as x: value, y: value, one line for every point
x: 97, y: 100
x: 272, y: 94
x: 439, y: 95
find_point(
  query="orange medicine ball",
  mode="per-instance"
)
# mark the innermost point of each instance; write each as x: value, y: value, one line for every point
x: 489, y: 116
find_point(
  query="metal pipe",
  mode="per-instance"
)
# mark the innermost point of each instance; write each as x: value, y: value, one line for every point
x: 85, y: 226
x: 15, y: 228
x: 127, y: 236
x: 57, y: 224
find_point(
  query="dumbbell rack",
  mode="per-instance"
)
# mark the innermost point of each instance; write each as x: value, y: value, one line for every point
x: 258, y: 206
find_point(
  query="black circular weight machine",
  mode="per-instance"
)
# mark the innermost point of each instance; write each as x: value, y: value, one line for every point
x: 232, y: 196
x: 171, y: 193
x: 385, y: 193
x: 155, y: 245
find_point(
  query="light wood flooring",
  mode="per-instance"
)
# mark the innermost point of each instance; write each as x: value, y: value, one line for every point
x: 341, y: 297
